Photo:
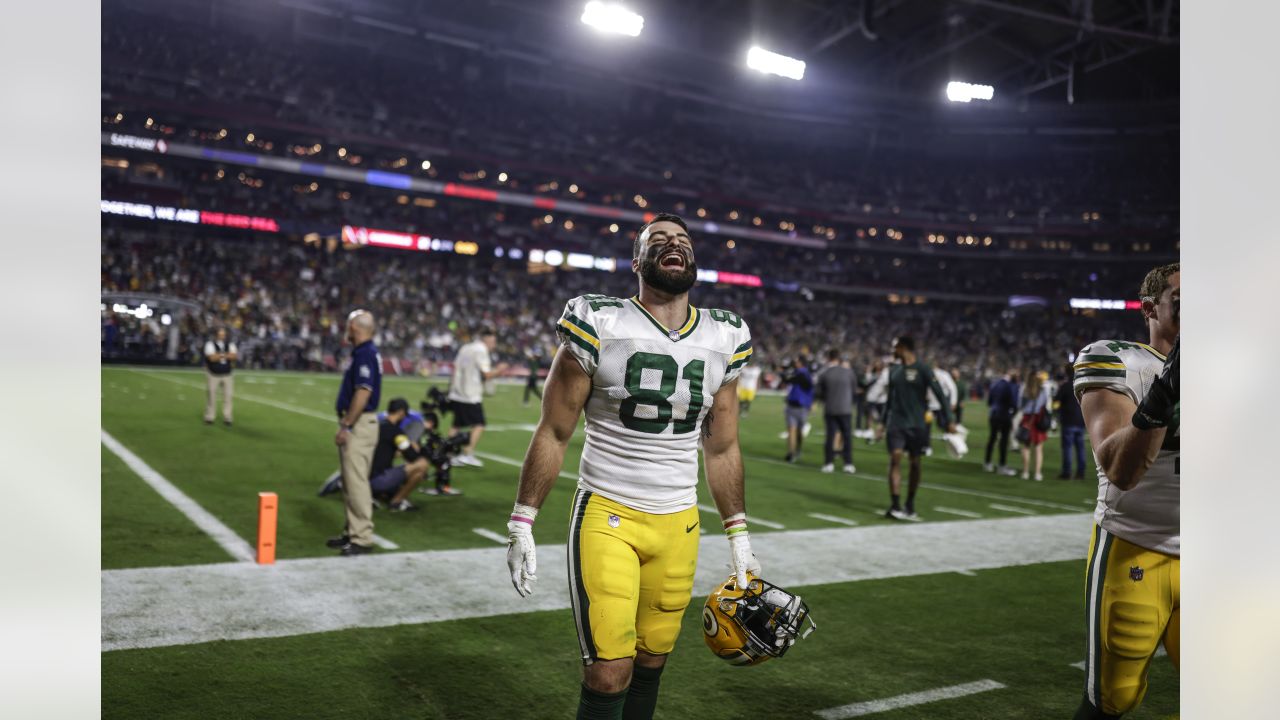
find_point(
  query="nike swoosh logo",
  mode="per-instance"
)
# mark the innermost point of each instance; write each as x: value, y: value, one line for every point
x: 690, y: 528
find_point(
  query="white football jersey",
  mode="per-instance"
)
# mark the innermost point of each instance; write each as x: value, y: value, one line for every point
x: 650, y: 389
x: 750, y: 377
x: 1149, y: 514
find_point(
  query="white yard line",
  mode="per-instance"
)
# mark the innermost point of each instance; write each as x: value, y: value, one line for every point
x: 871, y: 707
x: 331, y: 419
x: 235, y: 545
x: 943, y: 488
x: 833, y: 518
x: 967, y: 573
x: 516, y: 463
x: 751, y: 519
x: 384, y: 543
x: 490, y: 535
x: 957, y: 511
x: 1010, y: 508
x: 155, y: 607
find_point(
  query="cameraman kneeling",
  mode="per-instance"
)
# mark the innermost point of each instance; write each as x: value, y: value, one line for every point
x: 389, y: 482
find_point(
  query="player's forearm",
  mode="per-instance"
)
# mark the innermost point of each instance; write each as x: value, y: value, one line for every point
x: 359, y: 399
x: 1127, y: 454
x: 725, y: 479
x: 541, y: 467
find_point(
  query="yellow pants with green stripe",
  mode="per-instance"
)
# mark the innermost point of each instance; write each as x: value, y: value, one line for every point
x: 1132, y: 600
x: 630, y: 576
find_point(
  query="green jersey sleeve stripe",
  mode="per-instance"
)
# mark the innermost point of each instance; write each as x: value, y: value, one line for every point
x: 1097, y: 373
x: 583, y: 325
x: 595, y: 355
x: 1098, y: 358
x: 742, y: 347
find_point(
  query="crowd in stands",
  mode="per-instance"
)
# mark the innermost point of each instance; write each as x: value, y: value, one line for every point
x: 902, y: 265
x: 285, y: 304
x: 290, y: 95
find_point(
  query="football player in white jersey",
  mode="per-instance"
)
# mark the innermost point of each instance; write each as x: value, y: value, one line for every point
x: 748, y: 382
x: 1128, y: 393
x: 657, y: 378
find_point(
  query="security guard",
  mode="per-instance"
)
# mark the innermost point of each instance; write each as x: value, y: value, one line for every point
x: 357, y: 436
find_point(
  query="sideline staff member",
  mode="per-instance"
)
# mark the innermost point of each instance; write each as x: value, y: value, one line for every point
x: 471, y: 368
x: 358, y: 433
x: 218, y: 356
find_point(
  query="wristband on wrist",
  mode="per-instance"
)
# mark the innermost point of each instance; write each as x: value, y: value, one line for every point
x: 735, y: 524
x: 524, y: 514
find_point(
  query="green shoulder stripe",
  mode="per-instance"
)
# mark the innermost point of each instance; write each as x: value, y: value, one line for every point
x: 595, y: 354
x: 1099, y: 358
x: 582, y: 325
x: 1100, y: 373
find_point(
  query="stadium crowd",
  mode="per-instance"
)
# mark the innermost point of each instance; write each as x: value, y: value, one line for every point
x: 285, y: 303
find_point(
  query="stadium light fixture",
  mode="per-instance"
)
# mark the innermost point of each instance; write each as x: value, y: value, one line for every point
x: 612, y: 18
x: 965, y: 92
x: 774, y: 64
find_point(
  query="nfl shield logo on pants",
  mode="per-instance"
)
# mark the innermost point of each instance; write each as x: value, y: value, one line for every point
x: 1135, y: 574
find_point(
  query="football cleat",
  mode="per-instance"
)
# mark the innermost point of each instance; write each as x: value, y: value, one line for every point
x: 748, y: 627
x: 955, y: 444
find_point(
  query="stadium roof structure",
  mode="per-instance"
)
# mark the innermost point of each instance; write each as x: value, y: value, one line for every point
x: 1053, y: 63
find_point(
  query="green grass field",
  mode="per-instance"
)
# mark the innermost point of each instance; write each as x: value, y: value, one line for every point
x: 1022, y: 626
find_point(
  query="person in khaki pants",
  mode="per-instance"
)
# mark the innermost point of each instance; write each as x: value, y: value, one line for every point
x: 357, y: 436
x: 218, y: 357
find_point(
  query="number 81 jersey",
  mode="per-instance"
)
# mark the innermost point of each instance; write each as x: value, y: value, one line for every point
x: 651, y: 387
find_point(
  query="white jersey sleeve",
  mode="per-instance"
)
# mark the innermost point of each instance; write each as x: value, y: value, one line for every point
x: 1148, y: 514
x: 577, y: 333
x: 1099, y: 365
x: 738, y: 336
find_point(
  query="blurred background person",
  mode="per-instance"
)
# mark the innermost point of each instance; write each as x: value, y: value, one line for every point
x: 219, y: 356
x: 877, y: 396
x: 1002, y: 405
x: 1071, y: 422
x: 1034, y: 427
x: 834, y: 389
x: 748, y: 383
x: 472, y: 366
x: 948, y: 386
x: 798, y: 402
x: 532, y: 361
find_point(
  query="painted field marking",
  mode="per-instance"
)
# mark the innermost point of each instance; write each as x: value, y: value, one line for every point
x: 332, y: 419
x: 750, y: 518
x: 833, y: 518
x: 516, y: 463
x: 235, y: 545
x: 871, y: 707
x: 957, y: 511
x: 384, y: 543
x: 932, y: 486
x: 968, y: 573
x: 490, y: 535
x: 156, y: 607
x: 1012, y: 509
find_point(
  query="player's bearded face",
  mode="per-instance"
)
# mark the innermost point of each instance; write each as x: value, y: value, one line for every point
x: 669, y: 267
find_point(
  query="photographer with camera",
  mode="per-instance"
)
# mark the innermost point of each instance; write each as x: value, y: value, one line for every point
x: 439, y: 452
x: 393, y: 483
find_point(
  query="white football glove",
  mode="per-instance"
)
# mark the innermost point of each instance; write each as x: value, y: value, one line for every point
x: 741, y: 559
x: 522, y: 559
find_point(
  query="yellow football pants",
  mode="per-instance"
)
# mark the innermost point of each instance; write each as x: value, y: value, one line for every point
x: 630, y: 576
x: 1132, y: 600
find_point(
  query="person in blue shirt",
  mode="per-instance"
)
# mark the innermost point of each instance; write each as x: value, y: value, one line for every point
x: 799, y: 401
x: 1002, y: 403
x: 357, y: 436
